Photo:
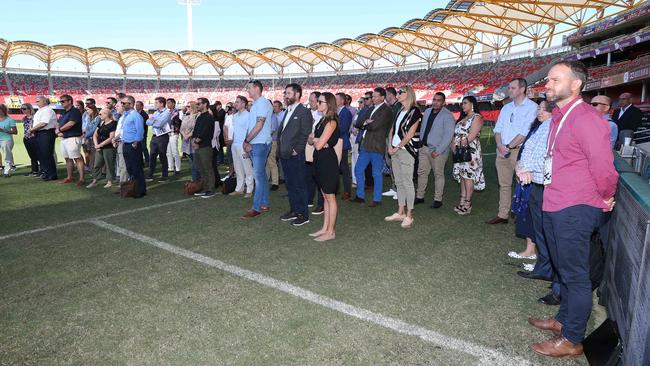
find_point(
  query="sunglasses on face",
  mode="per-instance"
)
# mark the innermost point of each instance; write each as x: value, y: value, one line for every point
x: 126, y: 102
x: 400, y: 92
x: 322, y: 101
x: 63, y: 100
x: 596, y: 104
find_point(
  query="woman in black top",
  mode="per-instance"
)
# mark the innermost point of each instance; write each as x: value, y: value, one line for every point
x: 105, y: 151
x: 326, y: 163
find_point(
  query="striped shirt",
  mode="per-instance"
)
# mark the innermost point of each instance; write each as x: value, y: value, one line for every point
x: 533, y: 152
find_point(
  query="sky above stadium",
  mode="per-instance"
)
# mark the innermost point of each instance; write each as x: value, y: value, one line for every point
x: 227, y: 25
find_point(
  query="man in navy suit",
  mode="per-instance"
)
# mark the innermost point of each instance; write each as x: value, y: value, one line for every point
x: 293, y: 132
x: 627, y: 117
x: 345, y: 122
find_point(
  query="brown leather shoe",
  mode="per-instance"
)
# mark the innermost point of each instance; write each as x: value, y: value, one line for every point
x: 546, y: 324
x: 265, y: 208
x: 496, y: 220
x: 374, y: 204
x: 557, y: 346
x: 251, y: 214
x: 345, y: 196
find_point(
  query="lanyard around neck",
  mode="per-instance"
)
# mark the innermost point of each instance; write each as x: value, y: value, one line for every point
x: 566, y: 115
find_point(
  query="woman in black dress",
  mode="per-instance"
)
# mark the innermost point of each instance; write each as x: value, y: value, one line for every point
x: 326, y: 163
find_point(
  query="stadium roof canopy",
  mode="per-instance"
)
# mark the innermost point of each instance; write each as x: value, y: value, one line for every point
x: 456, y: 30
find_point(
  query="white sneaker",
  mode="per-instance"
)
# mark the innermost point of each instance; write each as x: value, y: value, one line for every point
x: 516, y: 255
x: 91, y: 185
x: 395, y: 197
x: 389, y: 193
x: 528, y: 267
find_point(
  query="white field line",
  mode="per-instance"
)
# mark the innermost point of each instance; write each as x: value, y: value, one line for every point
x: 487, y: 356
x: 75, y: 222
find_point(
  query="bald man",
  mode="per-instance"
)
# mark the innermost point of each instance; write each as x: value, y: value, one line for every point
x: 603, y: 104
x: 627, y: 117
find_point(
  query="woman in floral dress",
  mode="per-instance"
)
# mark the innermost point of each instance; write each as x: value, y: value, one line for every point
x: 469, y: 174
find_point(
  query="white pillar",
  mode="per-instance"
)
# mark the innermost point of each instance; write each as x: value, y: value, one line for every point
x: 609, y: 58
x: 190, y: 42
x: 644, y: 91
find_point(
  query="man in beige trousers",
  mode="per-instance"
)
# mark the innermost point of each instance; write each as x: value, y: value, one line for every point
x: 436, y: 133
x: 510, y: 132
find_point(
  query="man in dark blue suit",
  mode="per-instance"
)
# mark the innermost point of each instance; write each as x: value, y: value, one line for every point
x: 345, y: 122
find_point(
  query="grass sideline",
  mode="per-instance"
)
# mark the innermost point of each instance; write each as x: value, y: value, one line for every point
x: 82, y: 294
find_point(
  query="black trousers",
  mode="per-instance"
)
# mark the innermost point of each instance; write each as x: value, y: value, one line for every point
x: 215, y: 166
x: 45, y: 144
x: 134, y: 165
x: 31, y: 145
x: 158, y: 148
x: 145, y: 151
x: 344, y: 168
x: 311, y: 186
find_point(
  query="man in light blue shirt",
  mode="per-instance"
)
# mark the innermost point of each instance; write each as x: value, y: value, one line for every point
x: 132, y: 137
x: 510, y: 132
x: 241, y: 160
x: 258, y: 144
x: 161, y: 123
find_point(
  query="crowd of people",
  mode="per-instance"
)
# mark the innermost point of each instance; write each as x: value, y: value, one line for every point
x: 558, y: 153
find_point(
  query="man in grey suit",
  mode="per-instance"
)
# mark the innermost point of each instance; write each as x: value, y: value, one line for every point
x: 436, y: 133
x: 374, y: 127
x: 292, y: 138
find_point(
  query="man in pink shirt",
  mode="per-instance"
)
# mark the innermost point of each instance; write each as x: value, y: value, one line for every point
x: 580, y: 183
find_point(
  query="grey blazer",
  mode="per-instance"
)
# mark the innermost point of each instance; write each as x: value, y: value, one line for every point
x: 293, y: 137
x: 442, y: 130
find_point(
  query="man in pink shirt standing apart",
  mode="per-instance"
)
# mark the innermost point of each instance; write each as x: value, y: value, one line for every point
x: 580, y: 183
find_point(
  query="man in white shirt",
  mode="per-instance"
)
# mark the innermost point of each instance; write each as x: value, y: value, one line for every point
x: 44, y: 127
x: 510, y: 132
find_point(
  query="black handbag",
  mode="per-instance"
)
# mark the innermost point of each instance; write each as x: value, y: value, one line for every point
x: 462, y: 154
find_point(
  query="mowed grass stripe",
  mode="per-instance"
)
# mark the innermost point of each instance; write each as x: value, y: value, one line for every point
x: 486, y: 355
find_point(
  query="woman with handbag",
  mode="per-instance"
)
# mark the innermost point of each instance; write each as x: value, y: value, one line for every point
x: 325, y: 140
x: 403, y: 149
x: 466, y: 152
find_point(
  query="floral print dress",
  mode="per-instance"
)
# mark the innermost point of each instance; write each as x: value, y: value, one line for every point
x: 472, y: 169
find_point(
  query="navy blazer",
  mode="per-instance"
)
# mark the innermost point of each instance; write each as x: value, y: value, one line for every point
x: 345, y: 122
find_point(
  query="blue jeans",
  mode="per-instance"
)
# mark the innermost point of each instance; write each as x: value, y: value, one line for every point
x: 377, y: 161
x: 294, y: 178
x: 259, y: 154
x: 543, y: 265
x: 195, y: 171
x: 568, y: 234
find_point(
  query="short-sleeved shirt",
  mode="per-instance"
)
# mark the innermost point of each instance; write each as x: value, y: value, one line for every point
x: 45, y: 116
x: 240, y: 130
x: 6, y: 124
x: 104, y: 131
x: 228, y: 124
x: 72, y: 114
x: 262, y: 108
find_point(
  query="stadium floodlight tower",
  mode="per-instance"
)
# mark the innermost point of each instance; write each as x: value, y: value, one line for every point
x: 189, y: 4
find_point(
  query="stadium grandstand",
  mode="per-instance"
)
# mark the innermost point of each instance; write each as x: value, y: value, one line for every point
x: 345, y: 301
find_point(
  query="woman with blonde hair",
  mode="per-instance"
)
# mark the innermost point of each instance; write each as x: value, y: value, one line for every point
x: 105, y: 152
x: 187, y: 127
x: 403, y: 149
x: 326, y: 163
x: 29, y: 139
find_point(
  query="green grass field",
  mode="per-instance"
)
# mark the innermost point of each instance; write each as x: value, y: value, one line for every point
x: 83, y: 293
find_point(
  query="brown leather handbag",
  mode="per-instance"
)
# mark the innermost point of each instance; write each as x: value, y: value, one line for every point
x: 192, y: 187
x: 127, y: 189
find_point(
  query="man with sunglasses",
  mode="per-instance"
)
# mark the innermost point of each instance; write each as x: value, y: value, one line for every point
x: 70, y: 130
x: 44, y: 127
x: 603, y: 104
x: 132, y: 138
x: 204, y: 130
